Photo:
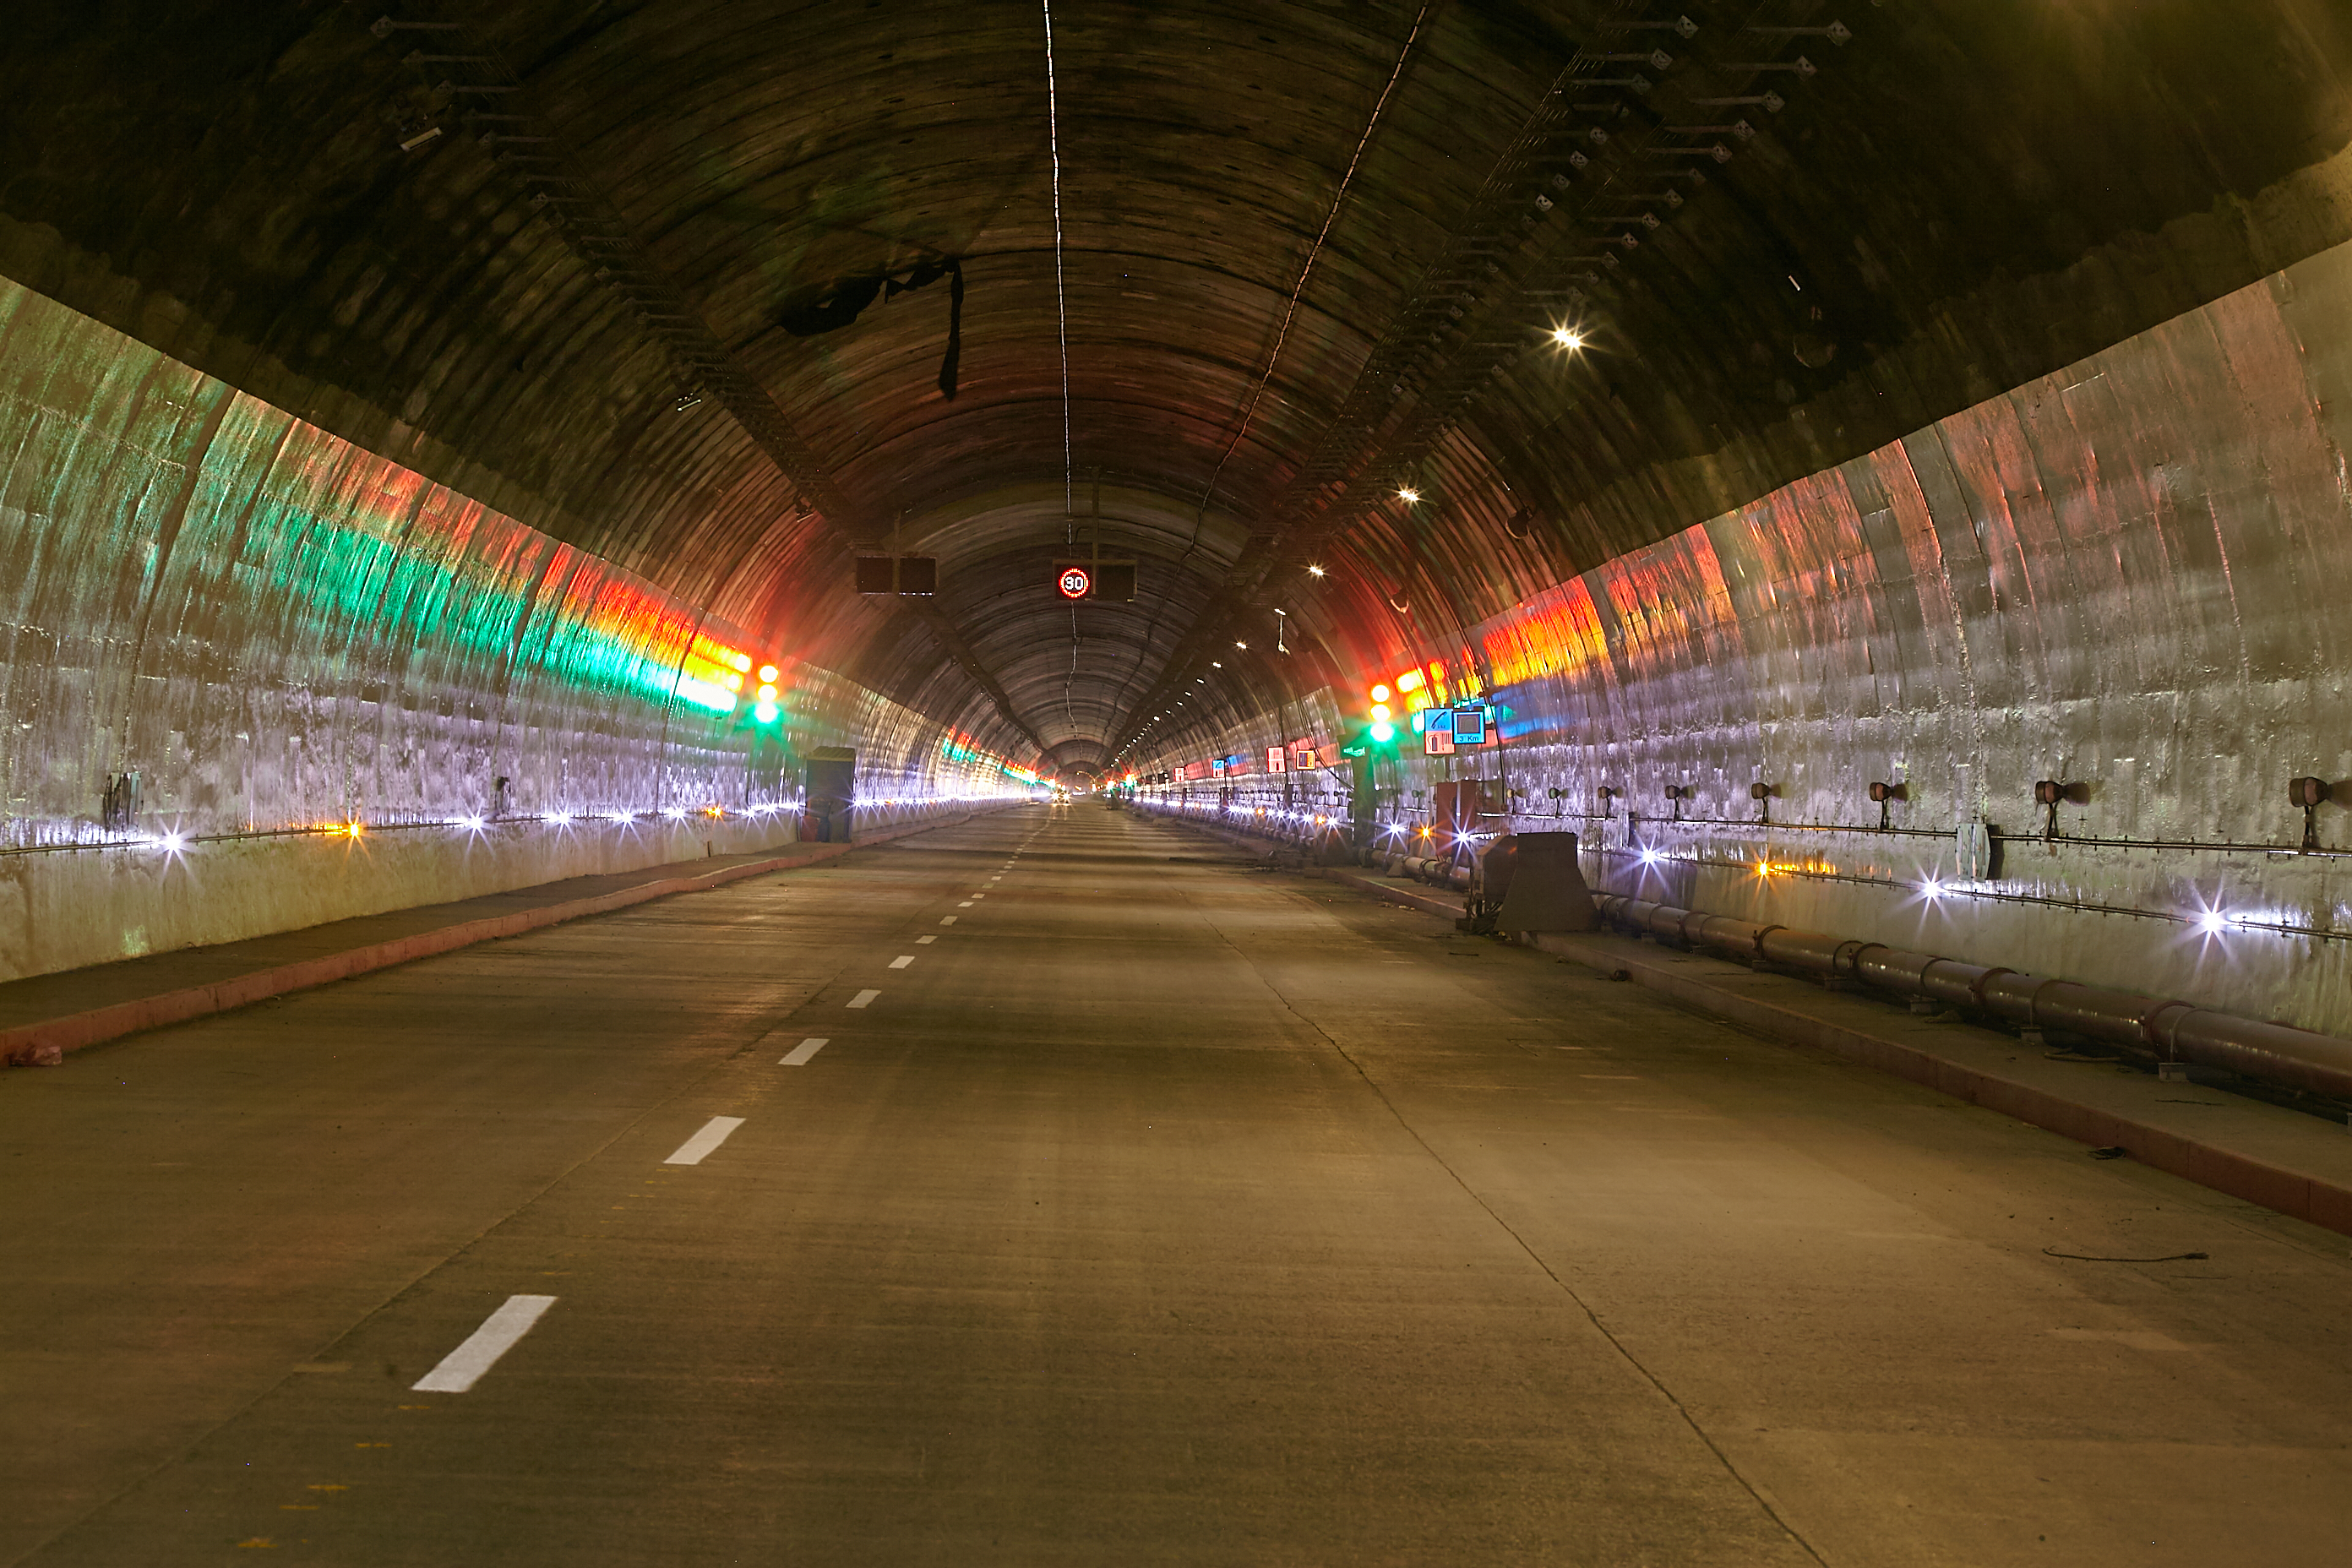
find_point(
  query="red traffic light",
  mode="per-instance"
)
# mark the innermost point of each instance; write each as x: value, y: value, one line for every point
x: 1075, y: 582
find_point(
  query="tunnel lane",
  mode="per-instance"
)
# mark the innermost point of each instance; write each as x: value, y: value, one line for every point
x: 1061, y: 1192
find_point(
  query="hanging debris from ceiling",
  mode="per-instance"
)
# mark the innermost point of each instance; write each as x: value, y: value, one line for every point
x: 847, y: 297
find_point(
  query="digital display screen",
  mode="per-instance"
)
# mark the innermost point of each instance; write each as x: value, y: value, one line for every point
x: 1469, y: 726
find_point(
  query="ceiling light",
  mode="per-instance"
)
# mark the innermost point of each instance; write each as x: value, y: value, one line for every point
x: 1568, y: 337
x: 1315, y: 571
x: 1407, y: 494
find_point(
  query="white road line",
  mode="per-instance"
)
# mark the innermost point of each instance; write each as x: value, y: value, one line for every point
x: 804, y: 1051
x: 926, y: 940
x: 864, y: 998
x: 714, y: 1133
x: 903, y: 960
x: 463, y: 1367
x: 980, y: 895
x: 965, y: 905
x: 947, y: 919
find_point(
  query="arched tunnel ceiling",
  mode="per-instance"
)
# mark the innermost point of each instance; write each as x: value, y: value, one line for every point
x: 1300, y: 261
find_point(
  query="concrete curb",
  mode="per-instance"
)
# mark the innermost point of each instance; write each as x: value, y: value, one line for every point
x: 2319, y: 1200
x: 1414, y: 897
x: 44, y: 1044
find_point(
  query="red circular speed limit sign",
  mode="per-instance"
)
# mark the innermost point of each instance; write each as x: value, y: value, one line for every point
x: 1075, y: 582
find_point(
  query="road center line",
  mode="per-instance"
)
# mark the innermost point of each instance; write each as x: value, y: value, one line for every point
x: 714, y: 1133
x: 804, y: 1051
x: 864, y: 998
x: 926, y: 940
x: 903, y: 960
x: 463, y: 1367
x: 965, y: 905
x: 947, y: 919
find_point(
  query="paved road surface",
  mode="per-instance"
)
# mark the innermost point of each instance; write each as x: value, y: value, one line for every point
x: 1153, y: 1210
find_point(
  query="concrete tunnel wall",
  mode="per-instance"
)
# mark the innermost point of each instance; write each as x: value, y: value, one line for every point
x: 2128, y: 574
x: 277, y: 631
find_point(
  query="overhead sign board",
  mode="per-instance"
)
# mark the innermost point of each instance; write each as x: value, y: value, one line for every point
x: 1446, y: 731
x: 897, y: 574
x: 1105, y: 577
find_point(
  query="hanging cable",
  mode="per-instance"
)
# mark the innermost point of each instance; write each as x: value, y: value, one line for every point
x: 1313, y: 253
x: 1282, y: 332
x: 1061, y: 301
x: 1062, y: 336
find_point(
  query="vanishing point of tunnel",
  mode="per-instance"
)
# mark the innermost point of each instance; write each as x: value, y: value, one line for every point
x: 1162, y: 781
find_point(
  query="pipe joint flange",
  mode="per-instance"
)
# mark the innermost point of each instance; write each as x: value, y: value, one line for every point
x: 1757, y: 941
x: 2033, y: 1001
x: 2164, y: 1044
x: 1845, y: 957
x: 1977, y: 986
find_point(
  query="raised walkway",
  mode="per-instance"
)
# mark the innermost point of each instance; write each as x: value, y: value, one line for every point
x: 44, y: 1016
x: 2288, y: 1161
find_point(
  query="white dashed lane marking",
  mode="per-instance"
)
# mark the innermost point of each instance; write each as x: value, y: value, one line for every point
x: 903, y: 960
x: 926, y: 940
x: 802, y: 1053
x: 965, y: 905
x: 947, y: 919
x: 463, y: 1367
x: 864, y: 999
x: 714, y: 1133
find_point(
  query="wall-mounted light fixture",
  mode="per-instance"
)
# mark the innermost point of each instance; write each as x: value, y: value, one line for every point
x: 1887, y: 795
x: 2308, y: 794
x: 2050, y: 794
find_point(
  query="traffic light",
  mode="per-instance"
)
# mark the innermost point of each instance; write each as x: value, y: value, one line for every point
x: 767, y: 704
x: 1377, y: 730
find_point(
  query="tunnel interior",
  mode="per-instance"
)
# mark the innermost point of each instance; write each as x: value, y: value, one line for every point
x: 760, y: 756
x: 1943, y: 397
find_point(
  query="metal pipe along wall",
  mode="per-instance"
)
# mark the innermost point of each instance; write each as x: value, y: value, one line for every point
x: 2176, y: 1030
